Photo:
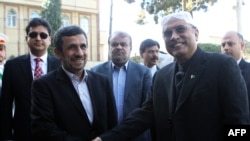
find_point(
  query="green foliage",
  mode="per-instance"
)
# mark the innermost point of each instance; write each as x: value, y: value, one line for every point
x: 136, y: 59
x: 51, y: 11
x: 210, y: 47
x: 164, y: 7
x: 130, y: 1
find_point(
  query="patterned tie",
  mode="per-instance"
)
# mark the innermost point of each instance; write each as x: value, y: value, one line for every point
x: 178, y: 80
x: 38, y: 70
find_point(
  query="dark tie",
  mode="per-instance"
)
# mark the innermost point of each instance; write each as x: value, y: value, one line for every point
x: 38, y: 70
x: 178, y: 80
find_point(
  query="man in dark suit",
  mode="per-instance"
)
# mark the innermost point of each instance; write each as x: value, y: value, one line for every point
x: 18, y: 76
x: 232, y: 44
x: 131, y: 81
x: 149, y: 52
x: 71, y: 103
x: 213, y: 92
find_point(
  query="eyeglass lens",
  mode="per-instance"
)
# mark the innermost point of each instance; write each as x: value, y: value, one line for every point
x: 178, y: 29
x: 34, y: 35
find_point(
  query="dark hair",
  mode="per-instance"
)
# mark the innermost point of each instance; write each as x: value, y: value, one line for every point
x: 34, y: 22
x: 120, y: 34
x: 240, y: 36
x: 147, y: 44
x: 67, y: 31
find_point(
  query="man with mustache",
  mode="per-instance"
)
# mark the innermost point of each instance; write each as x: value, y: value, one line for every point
x: 212, y: 96
x: 131, y: 81
x: 149, y: 51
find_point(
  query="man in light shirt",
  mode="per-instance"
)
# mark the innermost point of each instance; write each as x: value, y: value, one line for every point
x: 71, y: 103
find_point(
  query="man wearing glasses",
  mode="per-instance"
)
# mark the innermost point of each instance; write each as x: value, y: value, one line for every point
x: 213, y: 93
x: 18, y: 75
x: 232, y: 44
x: 131, y: 81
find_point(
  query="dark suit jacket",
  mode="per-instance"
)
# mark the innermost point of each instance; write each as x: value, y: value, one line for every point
x: 245, y: 71
x: 58, y: 115
x: 137, y: 86
x: 213, y: 95
x: 17, y: 81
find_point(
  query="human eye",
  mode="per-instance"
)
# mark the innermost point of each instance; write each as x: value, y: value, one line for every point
x: 180, y: 29
x: 167, y: 33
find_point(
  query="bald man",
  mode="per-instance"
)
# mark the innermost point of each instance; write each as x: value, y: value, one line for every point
x: 232, y: 44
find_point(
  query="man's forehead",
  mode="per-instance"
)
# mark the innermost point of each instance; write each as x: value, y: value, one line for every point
x: 173, y: 22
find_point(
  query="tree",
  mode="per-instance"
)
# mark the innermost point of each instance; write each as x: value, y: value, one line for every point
x: 51, y: 11
x: 164, y: 7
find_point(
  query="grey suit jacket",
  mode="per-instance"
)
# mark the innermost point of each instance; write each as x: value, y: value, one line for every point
x: 137, y: 86
x: 213, y: 95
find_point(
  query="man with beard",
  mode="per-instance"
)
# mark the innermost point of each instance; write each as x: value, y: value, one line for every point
x: 232, y: 44
x: 212, y: 97
x: 149, y: 51
x: 131, y: 81
x: 71, y: 103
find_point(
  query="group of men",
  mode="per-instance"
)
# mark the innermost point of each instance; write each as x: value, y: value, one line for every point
x: 119, y: 99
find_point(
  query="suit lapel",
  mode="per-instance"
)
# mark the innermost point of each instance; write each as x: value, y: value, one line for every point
x: 72, y: 94
x: 192, y: 75
x: 25, y: 66
x: 242, y: 66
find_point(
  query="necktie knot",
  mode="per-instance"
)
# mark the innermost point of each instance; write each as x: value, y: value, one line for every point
x: 38, y: 60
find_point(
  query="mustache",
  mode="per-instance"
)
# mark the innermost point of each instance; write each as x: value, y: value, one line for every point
x: 172, y: 43
x: 154, y: 58
x: 78, y: 58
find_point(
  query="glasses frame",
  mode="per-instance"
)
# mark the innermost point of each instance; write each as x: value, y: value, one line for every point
x: 42, y: 35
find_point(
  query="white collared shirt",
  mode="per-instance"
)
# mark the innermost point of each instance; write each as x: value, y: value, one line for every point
x: 43, y: 63
x: 83, y: 92
x: 153, y: 70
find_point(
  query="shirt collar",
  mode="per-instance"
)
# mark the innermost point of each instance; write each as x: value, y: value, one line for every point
x: 125, y: 66
x: 73, y: 76
x: 44, y: 57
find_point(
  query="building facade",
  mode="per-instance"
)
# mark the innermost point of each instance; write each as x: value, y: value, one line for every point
x: 15, y: 14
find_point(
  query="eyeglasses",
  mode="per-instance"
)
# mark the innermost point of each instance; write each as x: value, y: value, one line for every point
x: 178, y: 29
x: 115, y: 44
x: 228, y: 43
x: 34, y: 35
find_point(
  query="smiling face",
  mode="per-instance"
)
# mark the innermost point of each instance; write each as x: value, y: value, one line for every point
x: 180, y: 39
x: 38, y: 44
x: 74, y: 53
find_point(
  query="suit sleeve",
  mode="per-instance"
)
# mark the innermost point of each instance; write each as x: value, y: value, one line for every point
x: 147, y: 83
x: 134, y: 124
x: 6, y: 104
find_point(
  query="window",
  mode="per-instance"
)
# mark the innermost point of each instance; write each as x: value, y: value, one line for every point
x: 11, y: 18
x: 34, y: 14
x: 84, y: 24
x: 65, y: 21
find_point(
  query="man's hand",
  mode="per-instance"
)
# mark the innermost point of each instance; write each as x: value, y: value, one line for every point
x: 97, y: 139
